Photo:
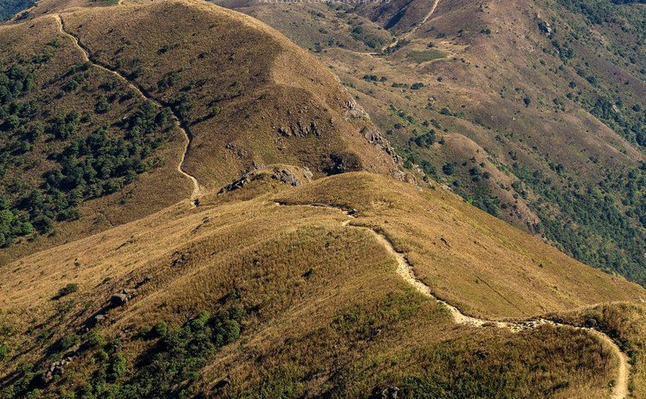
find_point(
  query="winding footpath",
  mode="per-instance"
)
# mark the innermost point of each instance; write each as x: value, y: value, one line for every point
x: 87, y: 56
x: 411, y: 32
x: 404, y: 268
x: 405, y: 271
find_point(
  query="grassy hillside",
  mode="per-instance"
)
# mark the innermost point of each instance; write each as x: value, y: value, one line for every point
x: 94, y: 143
x: 302, y: 265
x: 306, y: 119
x: 76, y: 142
x: 533, y: 112
x: 286, y: 300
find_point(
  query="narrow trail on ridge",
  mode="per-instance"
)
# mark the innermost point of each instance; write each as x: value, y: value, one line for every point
x: 411, y: 32
x: 87, y: 56
x: 405, y: 271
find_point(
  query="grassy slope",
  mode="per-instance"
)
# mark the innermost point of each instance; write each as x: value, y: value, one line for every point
x: 324, y: 304
x: 554, y: 138
x: 325, y: 314
x: 215, y: 94
x: 20, y: 44
x: 219, y: 92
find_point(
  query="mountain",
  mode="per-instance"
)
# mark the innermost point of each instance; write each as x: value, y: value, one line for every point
x: 135, y: 100
x: 193, y: 206
x: 533, y: 111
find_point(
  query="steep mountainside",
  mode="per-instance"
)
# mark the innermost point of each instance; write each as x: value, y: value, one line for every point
x: 194, y: 207
x: 96, y: 108
x: 533, y: 111
x: 306, y: 300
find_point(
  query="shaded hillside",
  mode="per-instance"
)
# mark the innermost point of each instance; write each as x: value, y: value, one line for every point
x: 8, y: 8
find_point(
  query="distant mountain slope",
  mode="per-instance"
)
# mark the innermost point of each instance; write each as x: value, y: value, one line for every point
x: 533, y: 111
x: 8, y: 8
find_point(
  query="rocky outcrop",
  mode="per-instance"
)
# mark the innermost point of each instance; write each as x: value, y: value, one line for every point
x: 391, y: 392
x: 300, y: 129
x: 283, y: 175
x: 56, y: 369
x: 117, y: 300
x: 376, y: 138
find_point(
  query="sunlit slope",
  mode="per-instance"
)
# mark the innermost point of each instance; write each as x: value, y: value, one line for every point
x: 243, y: 95
x: 467, y: 256
x: 247, y: 96
x: 299, y: 271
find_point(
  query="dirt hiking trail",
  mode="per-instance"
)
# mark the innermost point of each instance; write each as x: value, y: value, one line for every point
x: 406, y: 272
x: 87, y: 56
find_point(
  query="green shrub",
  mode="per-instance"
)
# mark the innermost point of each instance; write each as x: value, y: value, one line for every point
x: 68, y: 289
x: 4, y: 351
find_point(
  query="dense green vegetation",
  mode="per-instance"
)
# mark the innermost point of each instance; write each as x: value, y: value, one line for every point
x: 600, y: 223
x: 603, y: 226
x: 375, y: 42
x: 8, y: 8
x: 169, y: 368
x: 86, y: 160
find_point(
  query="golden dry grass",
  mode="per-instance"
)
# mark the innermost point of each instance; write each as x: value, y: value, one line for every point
x: 303, y: 273
x: 327, y: 314
x: 466, y: 256
x: 240, y: 83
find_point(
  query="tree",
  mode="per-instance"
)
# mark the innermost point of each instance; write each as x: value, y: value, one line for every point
x: 448, y: 168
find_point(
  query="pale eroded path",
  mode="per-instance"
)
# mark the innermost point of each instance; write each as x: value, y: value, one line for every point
x: 197, y: 190
x: 405, y: 270
x: 411, y: 32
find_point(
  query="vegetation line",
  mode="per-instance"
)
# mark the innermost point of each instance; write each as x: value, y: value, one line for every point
x: 87, y: 55
x: 405, y: 270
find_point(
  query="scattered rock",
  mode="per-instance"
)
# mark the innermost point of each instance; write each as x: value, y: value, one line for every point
x: 286, y: 176
x: 117, y: 300
x: 180, y: 259
x: 56, y: 369
x: 391, y: 392
x: 146, y: 280
x: 344, y: 162
x: 99, y: 319
x: 375, y: 137
x: 283, y: 175
x: 300, y: 129
x: 308, y: 175
x: 353, y: 110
